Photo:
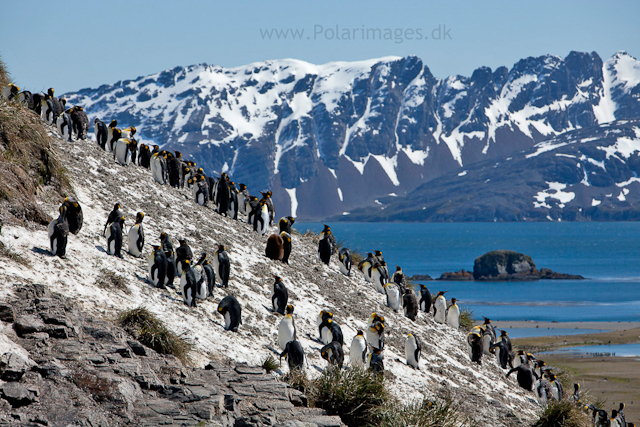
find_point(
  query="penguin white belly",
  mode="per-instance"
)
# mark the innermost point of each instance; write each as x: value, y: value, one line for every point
x: 134, y: 234
x: 326, y: 335
x: 153, y: 278
x: 377, y: 281
x: 286, y: 331
x: 486, y: 344
x: 110, y: 242
x: 201, y: 288
x: 373, y: 339
x: 227, y: 320
x: 410, y: 352
x: 343, y: 268
x: 262, y: 228
x: 50, y: 228
x: 441, y: 309
x: 242, y: 205
x: 453, y: 316
x: 121, y: 152
x: 62, y: 129
x: 54, y: 246
x: 356, y: 352
x: 393, y: 297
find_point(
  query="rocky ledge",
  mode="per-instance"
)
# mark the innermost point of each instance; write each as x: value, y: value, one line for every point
x: 60, y: 367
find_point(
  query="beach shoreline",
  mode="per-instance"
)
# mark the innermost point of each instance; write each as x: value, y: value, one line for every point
x: 610, y: 326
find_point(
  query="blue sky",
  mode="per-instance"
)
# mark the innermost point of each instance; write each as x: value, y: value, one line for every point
x: 70, y: 45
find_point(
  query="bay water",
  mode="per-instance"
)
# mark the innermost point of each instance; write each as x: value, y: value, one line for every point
x: 607, y: 254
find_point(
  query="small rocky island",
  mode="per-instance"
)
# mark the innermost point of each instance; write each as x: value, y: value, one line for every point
x: 503, y: 265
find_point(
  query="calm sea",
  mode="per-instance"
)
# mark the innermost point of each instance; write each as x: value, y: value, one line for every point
x: 608, y: 254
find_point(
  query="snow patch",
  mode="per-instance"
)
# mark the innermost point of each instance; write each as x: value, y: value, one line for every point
x: 553, y: 192
x: 294, y: 201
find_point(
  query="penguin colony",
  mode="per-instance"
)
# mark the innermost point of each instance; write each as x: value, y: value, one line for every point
x: 198, y: 280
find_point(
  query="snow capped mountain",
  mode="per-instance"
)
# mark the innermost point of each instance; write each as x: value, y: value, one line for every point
x: 584, y: 174
x: 329, y: 138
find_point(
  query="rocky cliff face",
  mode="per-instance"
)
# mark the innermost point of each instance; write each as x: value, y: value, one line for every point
x: 61, y: 366
x: 329, y: 138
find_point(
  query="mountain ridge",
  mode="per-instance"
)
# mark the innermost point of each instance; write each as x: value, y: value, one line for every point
x: 330, y: 138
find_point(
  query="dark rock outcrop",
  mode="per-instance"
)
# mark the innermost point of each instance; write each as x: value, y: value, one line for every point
x: 94, y: 374
x: 502, y: 263
x: 458, y: 276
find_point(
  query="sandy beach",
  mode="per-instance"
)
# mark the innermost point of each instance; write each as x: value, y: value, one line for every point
x: 616, y: 379
x: 610, y: 326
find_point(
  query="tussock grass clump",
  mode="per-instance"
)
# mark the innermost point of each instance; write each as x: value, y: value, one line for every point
x: 439, y: 413
x: 298, y: 380
x: 353, y: 394
x: 466, y: 319
x: 107, y: 279
x: 152, y: 332
x: 269, y: 364
x: 5, y: 78
x: 7, y: 253
x: 27, y: 163
x: 563, y: 414
x: 356, y: 258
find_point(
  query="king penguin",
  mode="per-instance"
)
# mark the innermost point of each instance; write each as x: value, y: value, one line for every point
x: 375, y: 335
x: 326, y: 245
x: 74, y: 214
x: 453, y: 314
x: 230, y: 309
x: 286, y: 244
x: 412, y: 350
x: 114, y: 237
x: 332, y: 353
x: 286, y: 328
x: 261, y: 220
x: 376, y: 361
x: 474, y: 341
x: 344, y: 256
x: 525, y: 376
x: 285, y: 223
x: 222, y: 266
x: 294, y: 355
x: 425, y: 299
x: 183, y: 252
x: 113, y: 215
x: 440, y: 308
x: 393, y: 296
x: 358, y: 350
x: 279, y: 295
x: 378, y: 277
x: 58, y: 231
x: 211, y: 276
x: 410, y: 304
x: 323, y: 328
x: 136, y: 236
x: 157, y: 267
x: 275, y: 247
x: 188, y: 284
x: 100, y: 130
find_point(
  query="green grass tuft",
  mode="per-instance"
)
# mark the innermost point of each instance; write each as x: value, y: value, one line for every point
x: 270, y: 364
x: 353, y: 394
x: 563, y: 414
x: 7, y: 253
x: 109, y: 280
x: 442, y: 412
x: 466, y: 319
x: 151, y: 332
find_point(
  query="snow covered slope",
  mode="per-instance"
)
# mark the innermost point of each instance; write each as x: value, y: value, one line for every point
x: 99, y: 183
x: 329, y: 138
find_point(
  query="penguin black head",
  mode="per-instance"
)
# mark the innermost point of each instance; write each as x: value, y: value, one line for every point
x: 50, y: 92
x: 423, y: 287
x: 398, y: 268
x: 221, y: 248
x: 503, y: 333
x: 117, y: 133
x: 326, y: 228
x: 441, y: 293
x: 113, y: 123
x: 185, y: 264
x: 139, y: 217
x: 116, y: 206
x: 379, y: 326
x: 243, y: 187
x: 278, y: 278
x: 621, y: 407
x: 200, y: 170
x: 453, y: 301
x: 178, y: 154
x: 486, y: 321
x: 163, y: 236
x: 289, y: 309
x: 64, y: 101
x: 378, y: 253
x: 576, y: 386
x: 133, y: 130
x: 375, y: 317
x: 359, y: 332
x: 182, y: 241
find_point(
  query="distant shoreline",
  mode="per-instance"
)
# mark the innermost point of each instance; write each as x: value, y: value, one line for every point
x: 611, y: 326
